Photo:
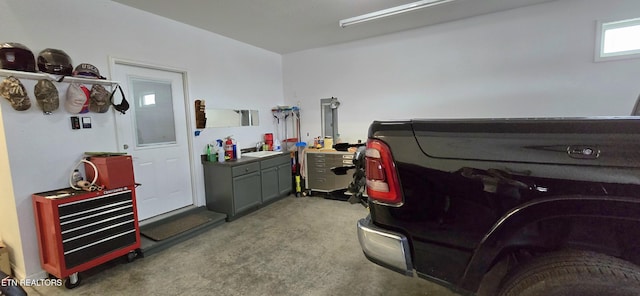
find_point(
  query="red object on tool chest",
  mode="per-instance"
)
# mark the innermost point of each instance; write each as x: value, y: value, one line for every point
x: 113, y: 171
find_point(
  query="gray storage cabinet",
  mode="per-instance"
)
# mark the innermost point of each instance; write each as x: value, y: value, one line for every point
x: 319, y: 174
x: 246, y: 191
x: 239, y: 187
x: 276, y: 177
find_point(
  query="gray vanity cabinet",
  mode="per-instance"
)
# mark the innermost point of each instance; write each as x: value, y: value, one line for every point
x: 232, y: 189
x: 239, y: 187
x: 276, y: 177
x: 284, y: 178
x: 269, y: 184
x: 246, y: 193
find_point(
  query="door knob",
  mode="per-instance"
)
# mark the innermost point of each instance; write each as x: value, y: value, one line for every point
x: 125, y: 146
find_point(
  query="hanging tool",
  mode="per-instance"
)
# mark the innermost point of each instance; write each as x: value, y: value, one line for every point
x: 286, y: 136
x: 275, y: 115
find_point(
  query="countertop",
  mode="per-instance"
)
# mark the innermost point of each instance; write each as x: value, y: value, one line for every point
x: 242, y: 160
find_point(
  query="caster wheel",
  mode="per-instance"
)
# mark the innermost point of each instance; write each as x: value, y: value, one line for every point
x: 131, y: 256
x: 72, y: 281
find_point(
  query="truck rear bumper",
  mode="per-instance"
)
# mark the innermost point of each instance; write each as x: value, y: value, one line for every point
x: 385, y: 248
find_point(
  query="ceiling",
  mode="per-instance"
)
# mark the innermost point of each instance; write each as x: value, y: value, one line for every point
x: 285, y: 26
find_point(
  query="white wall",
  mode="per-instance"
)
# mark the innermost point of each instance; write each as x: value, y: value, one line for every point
x: 532, y: 61
x: 43, y: 149
x: 9, y: 227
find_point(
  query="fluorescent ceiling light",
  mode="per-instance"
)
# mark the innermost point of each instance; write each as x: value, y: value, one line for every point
x: 391, y: 11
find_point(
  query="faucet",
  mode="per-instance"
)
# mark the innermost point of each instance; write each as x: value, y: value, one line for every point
x: 259, y: 146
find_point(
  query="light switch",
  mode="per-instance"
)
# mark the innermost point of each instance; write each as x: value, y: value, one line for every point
x: 86, y: 122
x: 75, y: 122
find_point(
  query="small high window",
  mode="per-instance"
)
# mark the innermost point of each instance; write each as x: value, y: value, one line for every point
x: 149, y: 99
x: 619, y: 39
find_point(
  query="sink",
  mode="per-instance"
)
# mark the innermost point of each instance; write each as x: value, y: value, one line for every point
x: 261, y: 153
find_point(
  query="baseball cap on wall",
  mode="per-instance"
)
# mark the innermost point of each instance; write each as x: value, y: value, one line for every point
x: 99, y: 99
x: 77, y: 99
x: 46, y: 96
x: 12, y: 89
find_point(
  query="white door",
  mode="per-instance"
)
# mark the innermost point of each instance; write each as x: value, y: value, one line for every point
x: 154, y: 132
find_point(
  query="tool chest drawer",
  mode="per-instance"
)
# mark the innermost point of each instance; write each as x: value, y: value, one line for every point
x: 90, y: 227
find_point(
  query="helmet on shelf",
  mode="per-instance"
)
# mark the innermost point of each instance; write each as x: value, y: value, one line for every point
x: 54, y: 61
x: 15, y: 56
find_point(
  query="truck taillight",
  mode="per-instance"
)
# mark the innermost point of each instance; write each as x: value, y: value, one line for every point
x: 382, y: 179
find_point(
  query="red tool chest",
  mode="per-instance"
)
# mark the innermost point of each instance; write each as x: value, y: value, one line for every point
x: 78, y: 230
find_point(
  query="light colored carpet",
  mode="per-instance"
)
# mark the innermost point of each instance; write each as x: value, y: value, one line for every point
x: 296, y: 246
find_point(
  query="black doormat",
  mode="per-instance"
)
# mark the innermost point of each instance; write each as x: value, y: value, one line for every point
x: 172, y: 226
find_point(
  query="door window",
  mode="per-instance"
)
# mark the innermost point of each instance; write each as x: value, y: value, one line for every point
x: 154, y: 120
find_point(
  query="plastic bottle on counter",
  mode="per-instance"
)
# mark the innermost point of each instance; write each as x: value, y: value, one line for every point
x: 220, y: 151
x: 328, y: 143
x: 236, y: 151
x: 209, y: 153
x: 276, y: 145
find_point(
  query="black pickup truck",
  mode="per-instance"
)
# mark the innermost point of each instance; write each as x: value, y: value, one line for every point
x: 536, y: 206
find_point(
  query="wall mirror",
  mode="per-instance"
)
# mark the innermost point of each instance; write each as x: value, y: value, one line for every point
x: 231, y: 117
x: 329, y: 115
